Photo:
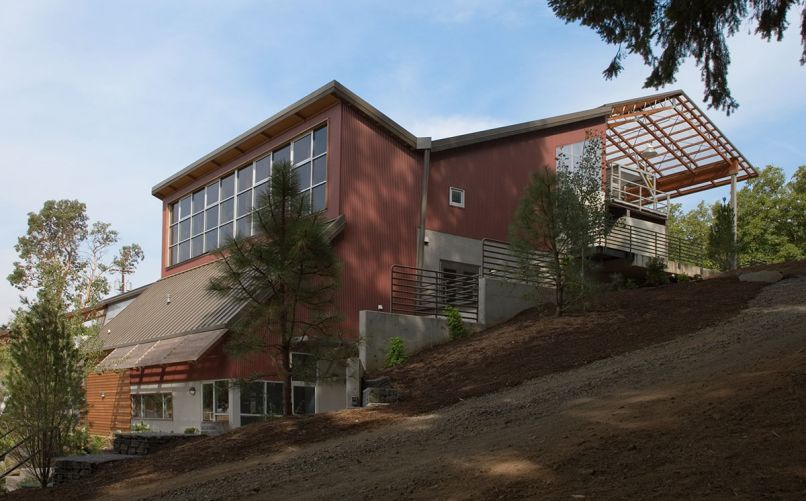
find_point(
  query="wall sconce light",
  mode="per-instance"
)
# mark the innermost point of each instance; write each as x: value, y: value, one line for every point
x: 103, y: 395
x: 192, y: 391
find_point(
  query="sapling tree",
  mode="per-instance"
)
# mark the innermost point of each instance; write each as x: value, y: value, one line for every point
x: 287, y: 275
x: 721, y: 237
x: 562, y: 214
x: 45, y: 393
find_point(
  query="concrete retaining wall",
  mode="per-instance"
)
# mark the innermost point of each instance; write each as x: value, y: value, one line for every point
x: 500, y: 300
x: 376, y: 328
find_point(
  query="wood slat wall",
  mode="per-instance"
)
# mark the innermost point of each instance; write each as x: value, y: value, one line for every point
x: 113, y: 411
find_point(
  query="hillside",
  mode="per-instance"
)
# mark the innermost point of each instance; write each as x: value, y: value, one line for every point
x: 686, y: 388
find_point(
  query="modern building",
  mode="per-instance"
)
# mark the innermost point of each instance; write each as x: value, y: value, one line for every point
x: 401, y: 208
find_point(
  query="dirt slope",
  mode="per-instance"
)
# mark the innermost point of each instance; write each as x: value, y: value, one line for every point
x: 670, y: 417
x: 716, y: 414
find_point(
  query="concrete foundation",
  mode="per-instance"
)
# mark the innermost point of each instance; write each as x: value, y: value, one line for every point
x: 376, y: 328
x: 500, y: 300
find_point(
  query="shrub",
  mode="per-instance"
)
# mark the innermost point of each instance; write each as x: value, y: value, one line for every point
x: 141, y: 427
x: 191, y: 431
x: 456, y: 326
x: 682, y: 277
x: 397, y: 352
x: 656, y: 272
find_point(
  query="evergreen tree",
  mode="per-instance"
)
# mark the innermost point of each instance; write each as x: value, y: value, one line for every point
x: 287, y: 274
x: 680, y: 29
x: 721, y: 242
x: 44, y: 384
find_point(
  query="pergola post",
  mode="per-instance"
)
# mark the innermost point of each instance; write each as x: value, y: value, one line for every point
x: 734, y: 204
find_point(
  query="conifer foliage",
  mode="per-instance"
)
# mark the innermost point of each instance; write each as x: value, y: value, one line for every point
x: 45, y: 380
x: 287, y: 274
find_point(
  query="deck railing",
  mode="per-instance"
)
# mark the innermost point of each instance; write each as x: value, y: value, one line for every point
x: 499, y: 260
x: 416, y: 291
x: 639, y: 240
x: 641, y: 194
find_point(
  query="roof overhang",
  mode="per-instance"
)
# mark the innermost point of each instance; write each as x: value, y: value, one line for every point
x: 173, y: 350
x: 521, y: 128
x: 264, y: 132
x: 668, y: 135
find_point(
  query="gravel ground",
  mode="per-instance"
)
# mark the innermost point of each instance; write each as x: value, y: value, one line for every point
x: 516, y: 443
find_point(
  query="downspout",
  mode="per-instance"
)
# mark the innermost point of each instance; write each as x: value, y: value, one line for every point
x: 424, y: 145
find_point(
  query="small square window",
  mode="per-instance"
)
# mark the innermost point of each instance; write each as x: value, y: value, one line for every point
x: 457, y: 197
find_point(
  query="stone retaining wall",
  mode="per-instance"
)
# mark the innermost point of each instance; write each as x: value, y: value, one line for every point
x: 71, y: 468
x: 140, y: 444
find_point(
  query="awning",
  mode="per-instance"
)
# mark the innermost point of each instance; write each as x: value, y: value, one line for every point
x: 187, y: 348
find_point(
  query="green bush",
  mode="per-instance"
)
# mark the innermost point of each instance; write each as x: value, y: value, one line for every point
x: 456, y: 326
x: 682, y: 277
x: 141, y: 427
x: 656, y: 272
x: 191, y: 431
x: 397, y: 352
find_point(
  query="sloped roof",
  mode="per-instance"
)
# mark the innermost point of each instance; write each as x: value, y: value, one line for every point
x: 179, y: 305
x: 174, y: 306
x: 310, y: 105
x: 187, y: 348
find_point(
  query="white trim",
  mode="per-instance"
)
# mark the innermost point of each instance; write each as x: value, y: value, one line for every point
x: 453, y: 189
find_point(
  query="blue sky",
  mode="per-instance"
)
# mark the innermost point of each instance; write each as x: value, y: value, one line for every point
x: 102, y: 100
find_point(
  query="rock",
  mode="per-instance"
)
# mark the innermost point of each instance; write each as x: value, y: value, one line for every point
x: 766, y: 276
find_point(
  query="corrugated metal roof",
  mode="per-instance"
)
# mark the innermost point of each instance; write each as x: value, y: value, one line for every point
x: 188, y: 348
x: 179, y: 305
x: 174, y: 306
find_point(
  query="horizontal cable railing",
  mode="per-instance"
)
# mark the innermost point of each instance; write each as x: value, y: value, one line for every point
x: 499, y: 260
x: 416, y: 291
x: 639, y: 240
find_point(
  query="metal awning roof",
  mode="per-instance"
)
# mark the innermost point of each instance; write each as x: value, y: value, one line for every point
x: 667, y: 134
x: 187, y: 348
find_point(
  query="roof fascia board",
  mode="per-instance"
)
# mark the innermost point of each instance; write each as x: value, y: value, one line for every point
x: 333, y: 88
x: 521, y: 128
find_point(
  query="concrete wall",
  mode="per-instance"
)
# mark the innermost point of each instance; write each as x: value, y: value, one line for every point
x: 376, y: 328
x: 446, y: 247
x: 187, y: 409
x: 500, y: 300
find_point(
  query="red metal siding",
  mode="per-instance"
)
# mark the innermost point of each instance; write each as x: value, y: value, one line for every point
x: 493, y: 175
x: 380, y: 186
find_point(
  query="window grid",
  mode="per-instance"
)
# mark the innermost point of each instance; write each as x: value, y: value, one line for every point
x: 202, y: 221
x: 140, y: 405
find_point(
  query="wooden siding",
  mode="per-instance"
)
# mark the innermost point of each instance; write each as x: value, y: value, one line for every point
x: 113, y: 411
x: 493, y: 175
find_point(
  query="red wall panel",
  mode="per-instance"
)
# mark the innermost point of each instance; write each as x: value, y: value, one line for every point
x: 493, y: 175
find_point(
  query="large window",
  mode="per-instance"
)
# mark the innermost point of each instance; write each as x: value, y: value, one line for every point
x: 260, y: 399
x: 153, y: 406
x: 203, y: 221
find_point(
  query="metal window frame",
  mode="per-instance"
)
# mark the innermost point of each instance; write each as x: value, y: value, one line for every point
x: 237, y: 191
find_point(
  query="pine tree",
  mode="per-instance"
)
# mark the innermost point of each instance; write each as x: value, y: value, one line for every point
x: 288, y: 275
x: 44, y: 384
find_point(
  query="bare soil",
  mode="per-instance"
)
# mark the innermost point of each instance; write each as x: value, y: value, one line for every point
x: 676, y: 391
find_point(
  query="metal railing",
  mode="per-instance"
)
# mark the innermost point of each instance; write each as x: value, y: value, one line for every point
x: 14, y: 447
x: 416, y: 291
x: 639, y: 240
x: 499, y: 260
x: 642, y: 194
